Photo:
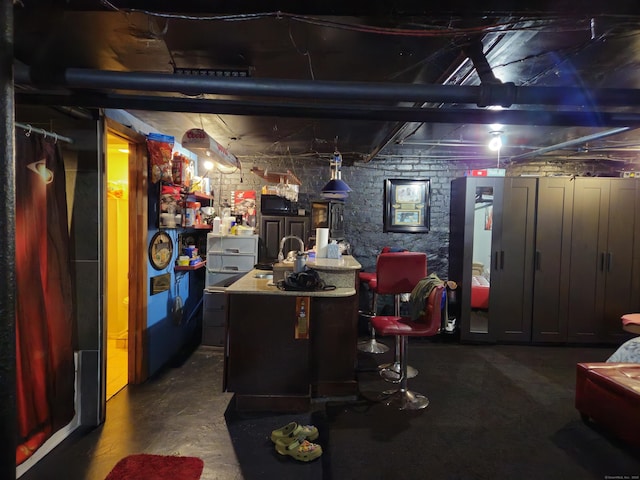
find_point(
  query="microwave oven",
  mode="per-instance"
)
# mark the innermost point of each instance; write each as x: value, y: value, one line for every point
x: 275, y: 205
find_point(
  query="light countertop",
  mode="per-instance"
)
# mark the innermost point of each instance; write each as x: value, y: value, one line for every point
x: 249, y: 284
x: 347, y: 262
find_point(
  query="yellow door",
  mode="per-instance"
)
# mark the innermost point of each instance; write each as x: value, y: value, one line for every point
x: 117, y: 263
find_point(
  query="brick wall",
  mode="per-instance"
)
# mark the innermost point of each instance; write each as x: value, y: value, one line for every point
x: 364, y: 206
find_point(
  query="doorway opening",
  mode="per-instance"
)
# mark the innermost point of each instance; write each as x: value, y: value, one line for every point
x: 117, y: 264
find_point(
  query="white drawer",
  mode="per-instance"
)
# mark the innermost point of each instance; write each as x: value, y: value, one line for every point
x: 232, y: 244
x: 230, y: 263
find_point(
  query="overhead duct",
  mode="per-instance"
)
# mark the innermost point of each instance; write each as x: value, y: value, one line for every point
x: 504, y: 94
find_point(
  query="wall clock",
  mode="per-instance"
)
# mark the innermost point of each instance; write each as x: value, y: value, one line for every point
x: 160, y: 250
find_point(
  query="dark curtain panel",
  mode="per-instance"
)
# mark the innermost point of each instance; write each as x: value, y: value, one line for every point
x: 44, y: 309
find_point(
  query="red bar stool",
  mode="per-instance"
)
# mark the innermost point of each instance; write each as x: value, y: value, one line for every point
x: 371, y: 345
x: 398, y: 273
x: 403, y: 328
x: 370, y: 279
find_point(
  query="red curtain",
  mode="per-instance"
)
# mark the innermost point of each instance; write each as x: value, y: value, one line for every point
x: 44, y: 299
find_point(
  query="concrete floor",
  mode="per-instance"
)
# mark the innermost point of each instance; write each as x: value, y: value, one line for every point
x: 491, y: 406
x: 181, y: 412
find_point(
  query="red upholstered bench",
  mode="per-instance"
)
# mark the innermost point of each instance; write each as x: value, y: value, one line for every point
x: 609, y: 394
x: 631, y: 322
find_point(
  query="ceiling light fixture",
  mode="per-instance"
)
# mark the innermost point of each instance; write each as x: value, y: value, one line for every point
x: 495, y: 143
x: 336, y: 187
x: 208, y: 165
x: 200, y: 142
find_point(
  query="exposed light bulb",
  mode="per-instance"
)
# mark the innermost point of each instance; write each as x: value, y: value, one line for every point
x: 208, y: 164
x: 495, y: 144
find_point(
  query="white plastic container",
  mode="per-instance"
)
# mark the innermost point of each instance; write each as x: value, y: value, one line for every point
x: 226, y: 225
x: 189, y: 217
x: 216, y: 225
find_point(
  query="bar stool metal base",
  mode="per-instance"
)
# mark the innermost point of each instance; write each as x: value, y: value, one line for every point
x: 372, y: 346
x: 406, y: 400
x: 403, y: 398
x: 392, y: 372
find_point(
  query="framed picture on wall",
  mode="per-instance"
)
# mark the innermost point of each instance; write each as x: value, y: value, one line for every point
x: 406, y: 205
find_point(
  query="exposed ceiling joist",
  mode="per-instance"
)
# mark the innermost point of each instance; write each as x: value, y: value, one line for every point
x: 338, y: 111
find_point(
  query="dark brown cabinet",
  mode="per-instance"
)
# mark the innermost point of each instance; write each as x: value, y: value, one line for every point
x: 564, y: 260
x: 269, y: 368
x: 274, y: 227
x: 492, y: 243
x: 475, y: 202
x: 603, y: 278
x: 552, y: 259
x: 511, y: 301
x: 328, y: 214
x: 261, y: 347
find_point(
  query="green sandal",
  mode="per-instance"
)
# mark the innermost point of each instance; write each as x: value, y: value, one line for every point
x: 292, y: 432
x: 299, y: 449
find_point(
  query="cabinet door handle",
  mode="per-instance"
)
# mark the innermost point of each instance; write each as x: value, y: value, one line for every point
x: 609, y: 261
x: 538, y: 255
x: 232, y: 250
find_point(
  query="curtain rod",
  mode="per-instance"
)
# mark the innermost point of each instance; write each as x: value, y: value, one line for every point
x: 55, y: 136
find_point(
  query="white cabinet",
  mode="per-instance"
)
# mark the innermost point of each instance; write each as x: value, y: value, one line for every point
x: 228, y: 257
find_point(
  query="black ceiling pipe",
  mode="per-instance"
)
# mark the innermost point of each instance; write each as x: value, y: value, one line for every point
x: 499, y: 94
x: 474, y: 50
x: 341, y: 111
x: 569, y: 143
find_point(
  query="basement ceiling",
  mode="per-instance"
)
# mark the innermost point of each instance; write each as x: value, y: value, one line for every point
x: 302, y: 81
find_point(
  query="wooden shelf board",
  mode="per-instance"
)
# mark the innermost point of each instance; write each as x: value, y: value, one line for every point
x: 202, y: 196
x: 188, y: 268
x: 277, y: 177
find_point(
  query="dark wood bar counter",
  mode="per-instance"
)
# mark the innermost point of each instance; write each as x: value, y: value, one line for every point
x: 286, y: 347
